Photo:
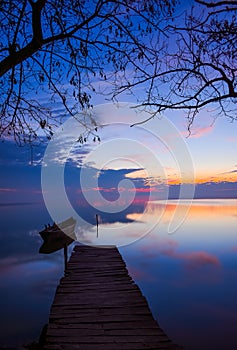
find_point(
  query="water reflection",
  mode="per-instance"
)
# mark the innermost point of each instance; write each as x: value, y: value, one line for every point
x: 189, y: 277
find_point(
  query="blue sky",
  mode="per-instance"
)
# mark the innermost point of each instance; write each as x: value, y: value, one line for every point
x: 133, y: 154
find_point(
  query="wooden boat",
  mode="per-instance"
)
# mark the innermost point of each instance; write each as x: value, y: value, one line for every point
x: 59, y: 231
x: 53, y: 245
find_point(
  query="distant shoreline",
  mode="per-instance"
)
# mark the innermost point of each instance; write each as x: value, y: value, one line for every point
x: 11, y: 204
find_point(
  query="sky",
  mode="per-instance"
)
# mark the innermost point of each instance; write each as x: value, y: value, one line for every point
x: 152, y: 162
x: 212, y: 146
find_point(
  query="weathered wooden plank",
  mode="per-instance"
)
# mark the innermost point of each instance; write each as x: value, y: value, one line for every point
x: 102, y: 294
x: 107, y: 339
x: 112, y: 346
x: 97, y: 306
x: 100, y: 287
x: 96, y: 311
x: 89, y: 298
x: 72, y: 332
x: 99, y: 319
x: 115, y: 303
x: 108, y: 326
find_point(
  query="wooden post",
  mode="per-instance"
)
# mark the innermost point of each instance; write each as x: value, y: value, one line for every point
x: 65, y: 257
x: 97, y: 225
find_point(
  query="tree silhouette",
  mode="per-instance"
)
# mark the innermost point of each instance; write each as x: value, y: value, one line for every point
x: 55, y: 55
x: 54, y: 52
x: 197, y: 68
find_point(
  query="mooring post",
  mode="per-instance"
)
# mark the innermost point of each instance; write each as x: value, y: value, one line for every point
x: 97, y: 225
x: 65, y: 257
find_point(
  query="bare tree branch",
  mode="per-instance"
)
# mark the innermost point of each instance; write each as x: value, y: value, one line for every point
x: 216, y: 4
x: 61, y: 53
x: 58, y: 48
x: 198, y: 67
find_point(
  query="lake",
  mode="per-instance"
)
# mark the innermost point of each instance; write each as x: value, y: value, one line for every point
x: 188, y: 276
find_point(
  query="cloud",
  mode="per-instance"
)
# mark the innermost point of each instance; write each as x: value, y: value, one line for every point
x: 197, y: 259
x: 143, y: 190
x: 169, y: 247
x: 139, y: 274
x: 8, y: 189
x: 197, y: 132
x: 232, y: 139
x: 13, y: 155
x: 230, y: 171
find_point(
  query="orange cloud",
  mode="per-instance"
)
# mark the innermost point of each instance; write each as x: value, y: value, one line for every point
x: 223, y: 177
x: 174, y: 181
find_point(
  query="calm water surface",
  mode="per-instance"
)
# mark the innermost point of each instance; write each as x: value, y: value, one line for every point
x: 189, y: 277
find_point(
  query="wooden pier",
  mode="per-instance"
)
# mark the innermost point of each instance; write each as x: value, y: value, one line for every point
x: 97, y: 306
